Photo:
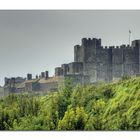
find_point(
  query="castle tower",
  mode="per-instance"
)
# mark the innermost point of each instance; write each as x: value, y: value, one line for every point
x: 136, y: 46
x: 7, y: 81
x: 46, y: 74
x: 65, y: 69
x: 78, y: 54
x: 42, y: 74
x: 58, y: 71
x: 109, y: 63
x: 89, y: 51
x: 29, y: 76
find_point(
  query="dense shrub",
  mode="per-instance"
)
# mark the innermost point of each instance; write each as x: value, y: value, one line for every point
x: 114, y: 106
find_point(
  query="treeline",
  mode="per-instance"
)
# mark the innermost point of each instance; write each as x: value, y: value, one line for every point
x: 114, y: 106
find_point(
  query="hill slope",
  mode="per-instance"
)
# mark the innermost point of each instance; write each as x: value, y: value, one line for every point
x: 114, y: 106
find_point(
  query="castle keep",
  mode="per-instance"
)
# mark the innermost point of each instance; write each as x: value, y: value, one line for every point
x: 92, y: 63
x: 107, y: 63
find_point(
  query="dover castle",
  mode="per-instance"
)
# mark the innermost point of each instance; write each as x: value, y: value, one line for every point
x: 92, y: 63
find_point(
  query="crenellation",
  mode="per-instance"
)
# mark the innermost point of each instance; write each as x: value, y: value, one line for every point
x: 128, y: 47
x: 99, y: 43
x: 123, y: 46
x: 110, y: 47
x: 84, y: 41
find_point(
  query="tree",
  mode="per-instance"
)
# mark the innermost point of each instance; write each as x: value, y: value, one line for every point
x: 74, y: 119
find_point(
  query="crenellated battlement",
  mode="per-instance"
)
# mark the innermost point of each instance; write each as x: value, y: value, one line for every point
x: 89, y: 41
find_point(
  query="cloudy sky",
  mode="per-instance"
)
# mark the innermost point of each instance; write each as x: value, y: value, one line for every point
x: 35, y: 41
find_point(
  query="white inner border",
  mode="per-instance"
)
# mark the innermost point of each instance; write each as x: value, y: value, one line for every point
x: 69, y: 4
x: 70, y: 135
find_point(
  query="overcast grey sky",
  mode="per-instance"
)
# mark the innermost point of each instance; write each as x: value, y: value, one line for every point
x: 35, y: 41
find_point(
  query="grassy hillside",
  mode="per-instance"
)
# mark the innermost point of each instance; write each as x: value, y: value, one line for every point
x: 114, y: 106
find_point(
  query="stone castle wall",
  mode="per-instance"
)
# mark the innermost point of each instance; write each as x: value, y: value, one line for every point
x: 92, y: 63
x: 107, y: 63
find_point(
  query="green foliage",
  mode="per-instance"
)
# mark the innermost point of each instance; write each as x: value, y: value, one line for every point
x: 74, y: 119
x: 28, y: 105
x: 125, y: 77
x: 113, y: 106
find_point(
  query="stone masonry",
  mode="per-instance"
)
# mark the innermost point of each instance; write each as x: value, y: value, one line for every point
x: 107, y: 63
